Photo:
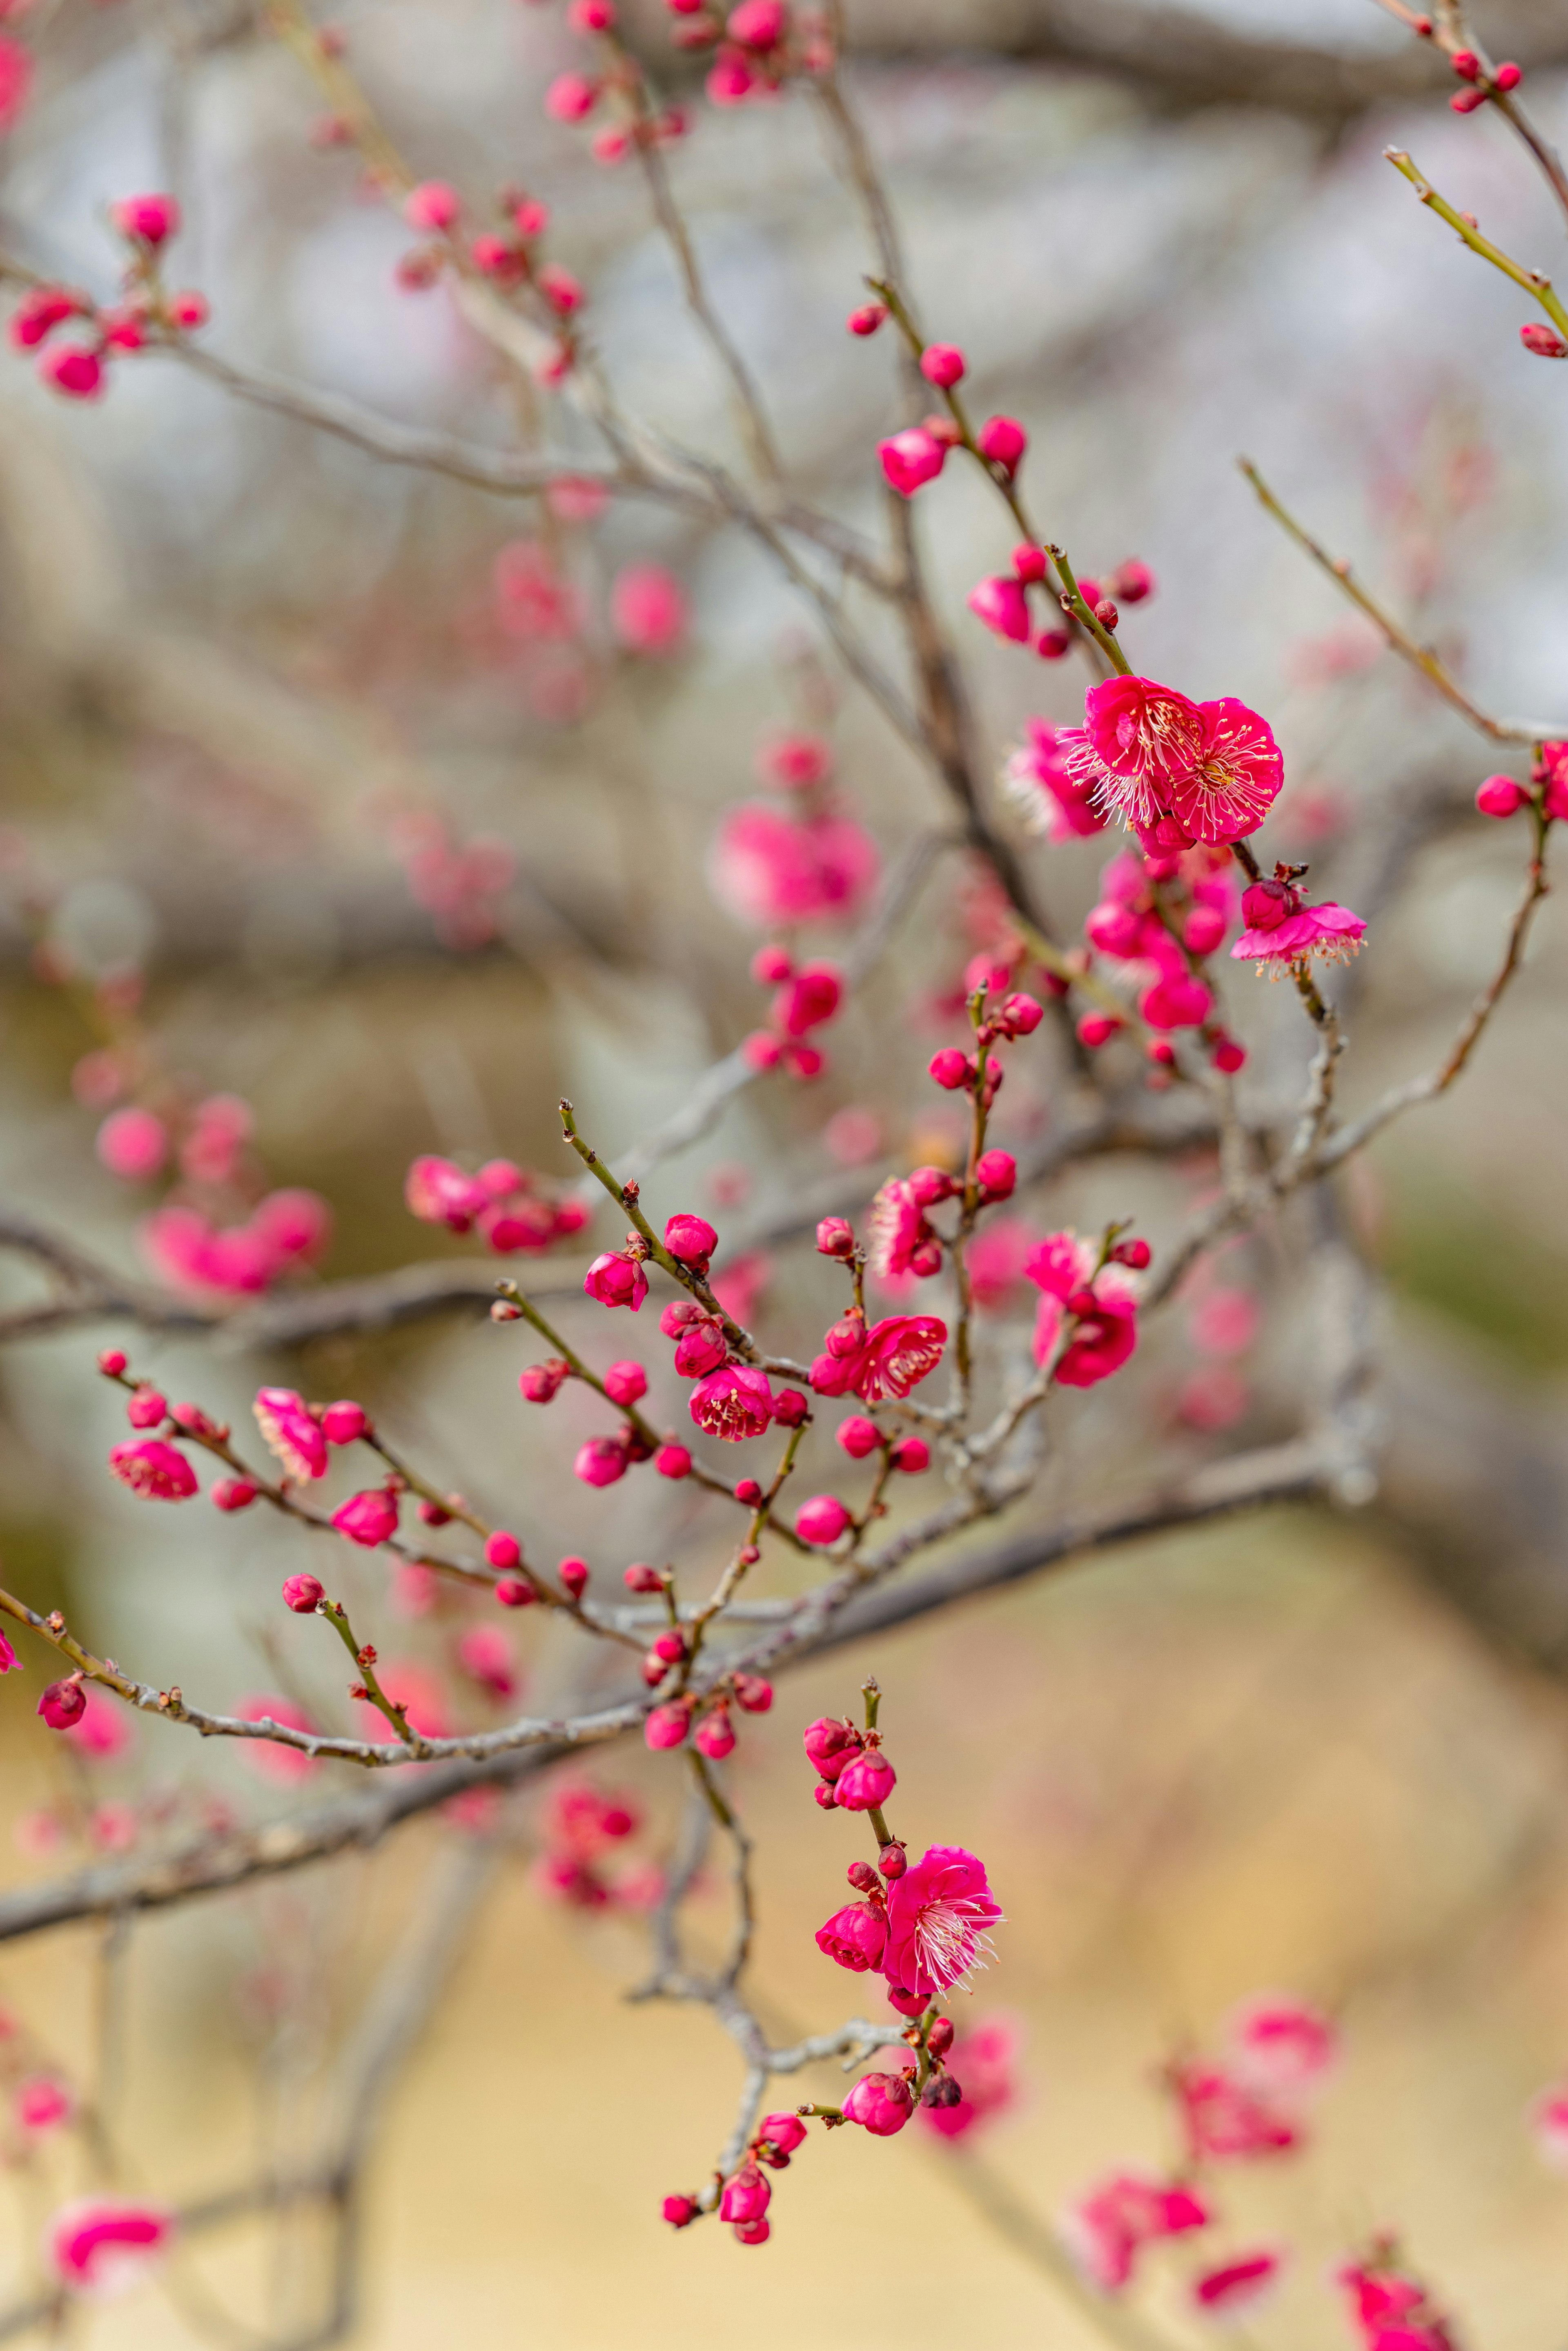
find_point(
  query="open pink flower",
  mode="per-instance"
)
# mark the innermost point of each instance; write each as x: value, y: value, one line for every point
x: 1106, y: 1332
x: 770, y: 868
x: 1040, y: 782
x: 10, y: 1663
x: 897, y: 1231
x: 290, y: 1433
x: 939, y: 1915
x: 1209, y: 771
x: 159, y: 1472
x: 1224, y: 2117
x: 439, y: 1192
x: 1330, y: 932
x: 984, y: 2064
x: 101, y: 2244
x: 898, y: 1353
x: 734, y: 1402
x: 1237, y: 778
x: 1281, y: 2044
x: 1107, y: 2229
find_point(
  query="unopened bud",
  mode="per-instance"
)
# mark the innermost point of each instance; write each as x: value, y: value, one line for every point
x: 303, y: 1594
x: 1542, y: 342
x: 835, y: 1236
x: 893, y: 1860
x: 1508, y: 76
x: 940, y: 2040
x: 640, y: 1577
x: 863, y: 1878
x: 1465, y: 101
x: 1105, y: 613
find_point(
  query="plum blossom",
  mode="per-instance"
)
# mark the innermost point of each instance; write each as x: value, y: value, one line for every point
x: 616, y: 1280
x: 880, y: 2103
x: 1330, y: 932
x: 1235, y: 2284
x: 769, y: 867
x: 855, y: 1937
x: 1107, y: 2229
x: 1153, y: 756
x: 939, y: 1915
x: 1106, y: 1330
x: 1224, y: 2117
x: 1281, y: 2044
x: 159, y: 1472
x: 10, y: 1663
x: 1039, y: 781
x: 291, y: 1432
x: 734, y: 1403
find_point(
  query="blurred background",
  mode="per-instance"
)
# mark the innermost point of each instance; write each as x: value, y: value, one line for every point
x: 311, y: 793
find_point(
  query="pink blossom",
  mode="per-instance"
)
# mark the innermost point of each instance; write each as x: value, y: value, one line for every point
x: 898, y: 1353
x: 667, y: 1725
x: 157, y: 1471
x: 602, y: 1462
x: 1151, y: 754
x: 910, y: 458
x: 809, y: 998
x: 150, y: 219
x: 821, y: 1521
x: 746, y: 2196
x: 293, y: 1224
x: 1330, y: 932
x: 855, y: 1937
x: 994, y: 1261
x: 1235, y: 2284
x: 15, y: 81
x: 796, y: 762
x: 830, y: 1743
x: 67, y: 367
x: 616, y: 1280
x: 769, y: 867
x: 571, y: 97
x: 438, y: 1192
x: 734, y: 1402
x: 624, y: 1384
x: 1003, y: 605
x: 898, y: 1231
x: 1236, y: 780
x: 1106, y: 1330
x: 344, y: 1421
x: 690, y: 1238
x: 291, y: 1433
x: 1176, y: 1000
x: 432, y: 205
x: 286, y: 1764
x: 648, y: 609
x: 10, y: 1663
x: 880, y: 2103
x: 1224, y: 2118
x: 1002, y: 440
x: 62, y: 1703
x: 42, y: 2102
x: 701, y: 1347
x: 983, y: 2062
x: 132, y: 1144
x: 1107, y: 2229
x: 938, y: 1916
x: 866, y: 1783
x: 100, y: 2244
x: 367, y: 1519
x: 1039, y: 782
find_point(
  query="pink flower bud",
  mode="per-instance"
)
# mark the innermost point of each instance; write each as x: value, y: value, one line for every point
x: 679, y: 1315
x: 150, y: 220
x: 145, y: 1408
x: 752, y: 1694
x: 432, y: 205
x: 1105, y: 613
x: 771, y: 966
x: 813, y: 997
x: 1229, y: 1056
x: 1501, y: 796
x: 855, y: 1937
x: 824, y: 1796
x: 626, y: 1383
x: 112, y: 1362
x: 1090, y: 592
x: 540, y: 1381
x: 654, y: 1667
x: 515, y: 1591
x: 601, y: 1462
x: 63, y: 1703
x: 910, y: 458
x: 949, y: 1068
x: 1019, y: 1015
x: 1465, y: 101
x: 1131, y: 582
x: 673, y: 1461
x: 667, y: 1725
x: 590, y: 15
x: 1133, y: 1253
x: 1028, y: 562
x: 762, y: 1049
x: 342, y: 1423
x: 828, y: 1746
x: 1052, y: 643
x: 132, y: 1144
x: 866, y: 1781
x: 858, y: 1437
x: 367, y: 1518
x: 783, y: 2132
x: 158, y: 1472
x: 790, y: 1408
x: 1003, y: 606
x: 571, y: 97
x: 758, y: 23
x: 1003, y: 441
x: 943, y: 365
x: 749, y: 1491
x: 997, y: 1174
x: 1467, y: 65
x: 1177, y: 1001
x: 1204, y: 929
x: 1542, y: 341
x: 880, y: 2103
x: 867, y: 318
x: 753, y: 2232
x: 502, y: 1550
x: 912, y: 1455
x: 835, y: 1236
x: 303, y: 1594
x: 640, y: 1577
x: 573, y: 1573
x: 1095, y: 1028
x: 746, y: 2195
x: 232, y: 1493
x: 616, y: 1280
x: 71, y: 370
x: 690, y: 1240
x: 1508, y: 76
x: 715, y: 1735
x: 893, y: 1862
x: 821, y: 1521
x: 680, y: 2211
